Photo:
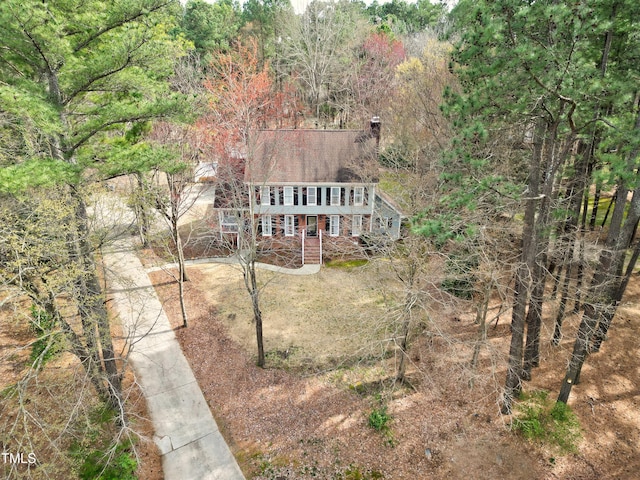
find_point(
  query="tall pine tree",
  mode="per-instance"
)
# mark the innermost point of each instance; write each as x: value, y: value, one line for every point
x: 76, y: 76
x: 539, y: 68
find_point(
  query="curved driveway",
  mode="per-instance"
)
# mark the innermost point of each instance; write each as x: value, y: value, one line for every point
x: 186, y: 434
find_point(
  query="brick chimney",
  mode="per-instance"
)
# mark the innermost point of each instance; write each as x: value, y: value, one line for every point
x: 375, y: 129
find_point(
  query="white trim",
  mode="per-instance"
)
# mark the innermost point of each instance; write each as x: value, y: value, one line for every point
x: 289, y: 226
x: 267, y: 226
x: 307, y: 217
x: 288, y: 196
x: 315, y: 196
x: 335, y: 197
x: 356, y: 221
x: 334, y: 225
x: 358, y: 196
x: 265, y: 195
x: 228, y: 222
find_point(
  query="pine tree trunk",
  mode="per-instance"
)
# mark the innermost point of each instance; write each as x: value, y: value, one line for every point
x: 579, y: 354
x: 576, y: 191
x: 606, y: 214
x: 604, y: 287
x: 534, y: 313
x: 557, y: 331
x: 533, y: 323
x: 579, y: 273
x: 88, y: 292
x: 402, y: 364
x: 594, y: 210
x: 582, y: 231
x: 556, y: 276
x: 86, y: 360
x: 603, y: 327
x: 513, y: 382
x: 618, y: 283
x: 78, y: 347
x: 552, y: 163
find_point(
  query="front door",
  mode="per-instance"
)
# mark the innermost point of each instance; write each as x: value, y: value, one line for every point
x: 312, y: 225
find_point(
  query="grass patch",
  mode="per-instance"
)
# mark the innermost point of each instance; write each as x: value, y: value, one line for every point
x: 354, y: 472
x: 100, y: 458
x: 282, y: 358
x: 346, y: 264
x: 379, y: 419
x: 539, y: 419
x: 120, y: 464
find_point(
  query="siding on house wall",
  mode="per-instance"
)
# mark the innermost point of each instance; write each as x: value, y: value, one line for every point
x: 280, y: 196
x: 378, y: 216
x: 386, y: 219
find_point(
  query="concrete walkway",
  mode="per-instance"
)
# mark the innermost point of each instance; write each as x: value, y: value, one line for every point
x: 233, y: 260
x: 186, y: 434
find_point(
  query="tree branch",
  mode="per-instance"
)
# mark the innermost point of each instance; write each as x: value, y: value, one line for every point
x: 119, y: 23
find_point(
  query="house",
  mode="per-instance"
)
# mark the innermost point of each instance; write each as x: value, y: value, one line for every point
x: 311, y: 189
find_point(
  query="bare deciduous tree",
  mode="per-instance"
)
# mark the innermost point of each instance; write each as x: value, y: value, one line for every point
x: 172, y: 188
x: 243, y: 100
x: 317, y: 52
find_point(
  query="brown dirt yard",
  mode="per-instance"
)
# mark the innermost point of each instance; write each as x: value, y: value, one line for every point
x: 330, y: 363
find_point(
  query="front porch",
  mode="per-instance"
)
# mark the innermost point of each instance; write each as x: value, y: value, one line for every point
x: 296, y: 239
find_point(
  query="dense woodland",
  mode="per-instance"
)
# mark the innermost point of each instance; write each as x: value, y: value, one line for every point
x: 511, y: 140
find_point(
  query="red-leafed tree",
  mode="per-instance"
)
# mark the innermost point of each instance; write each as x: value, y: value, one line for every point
x: 372, y: 80
x: 242, y: 99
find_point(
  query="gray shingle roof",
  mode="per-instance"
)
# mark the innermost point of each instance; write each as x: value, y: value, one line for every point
x: 309, y: 156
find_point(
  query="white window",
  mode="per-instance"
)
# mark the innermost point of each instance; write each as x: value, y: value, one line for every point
x: 288, y: 195
x: 334, y: 225
x: 335, y: 195
x: 356, y: 225
x: 358, y: 196
x: 228, y: 222
x: 267, y: 231
x: 265, y: 196
x: 312, y: 196
x: 289, y: 226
